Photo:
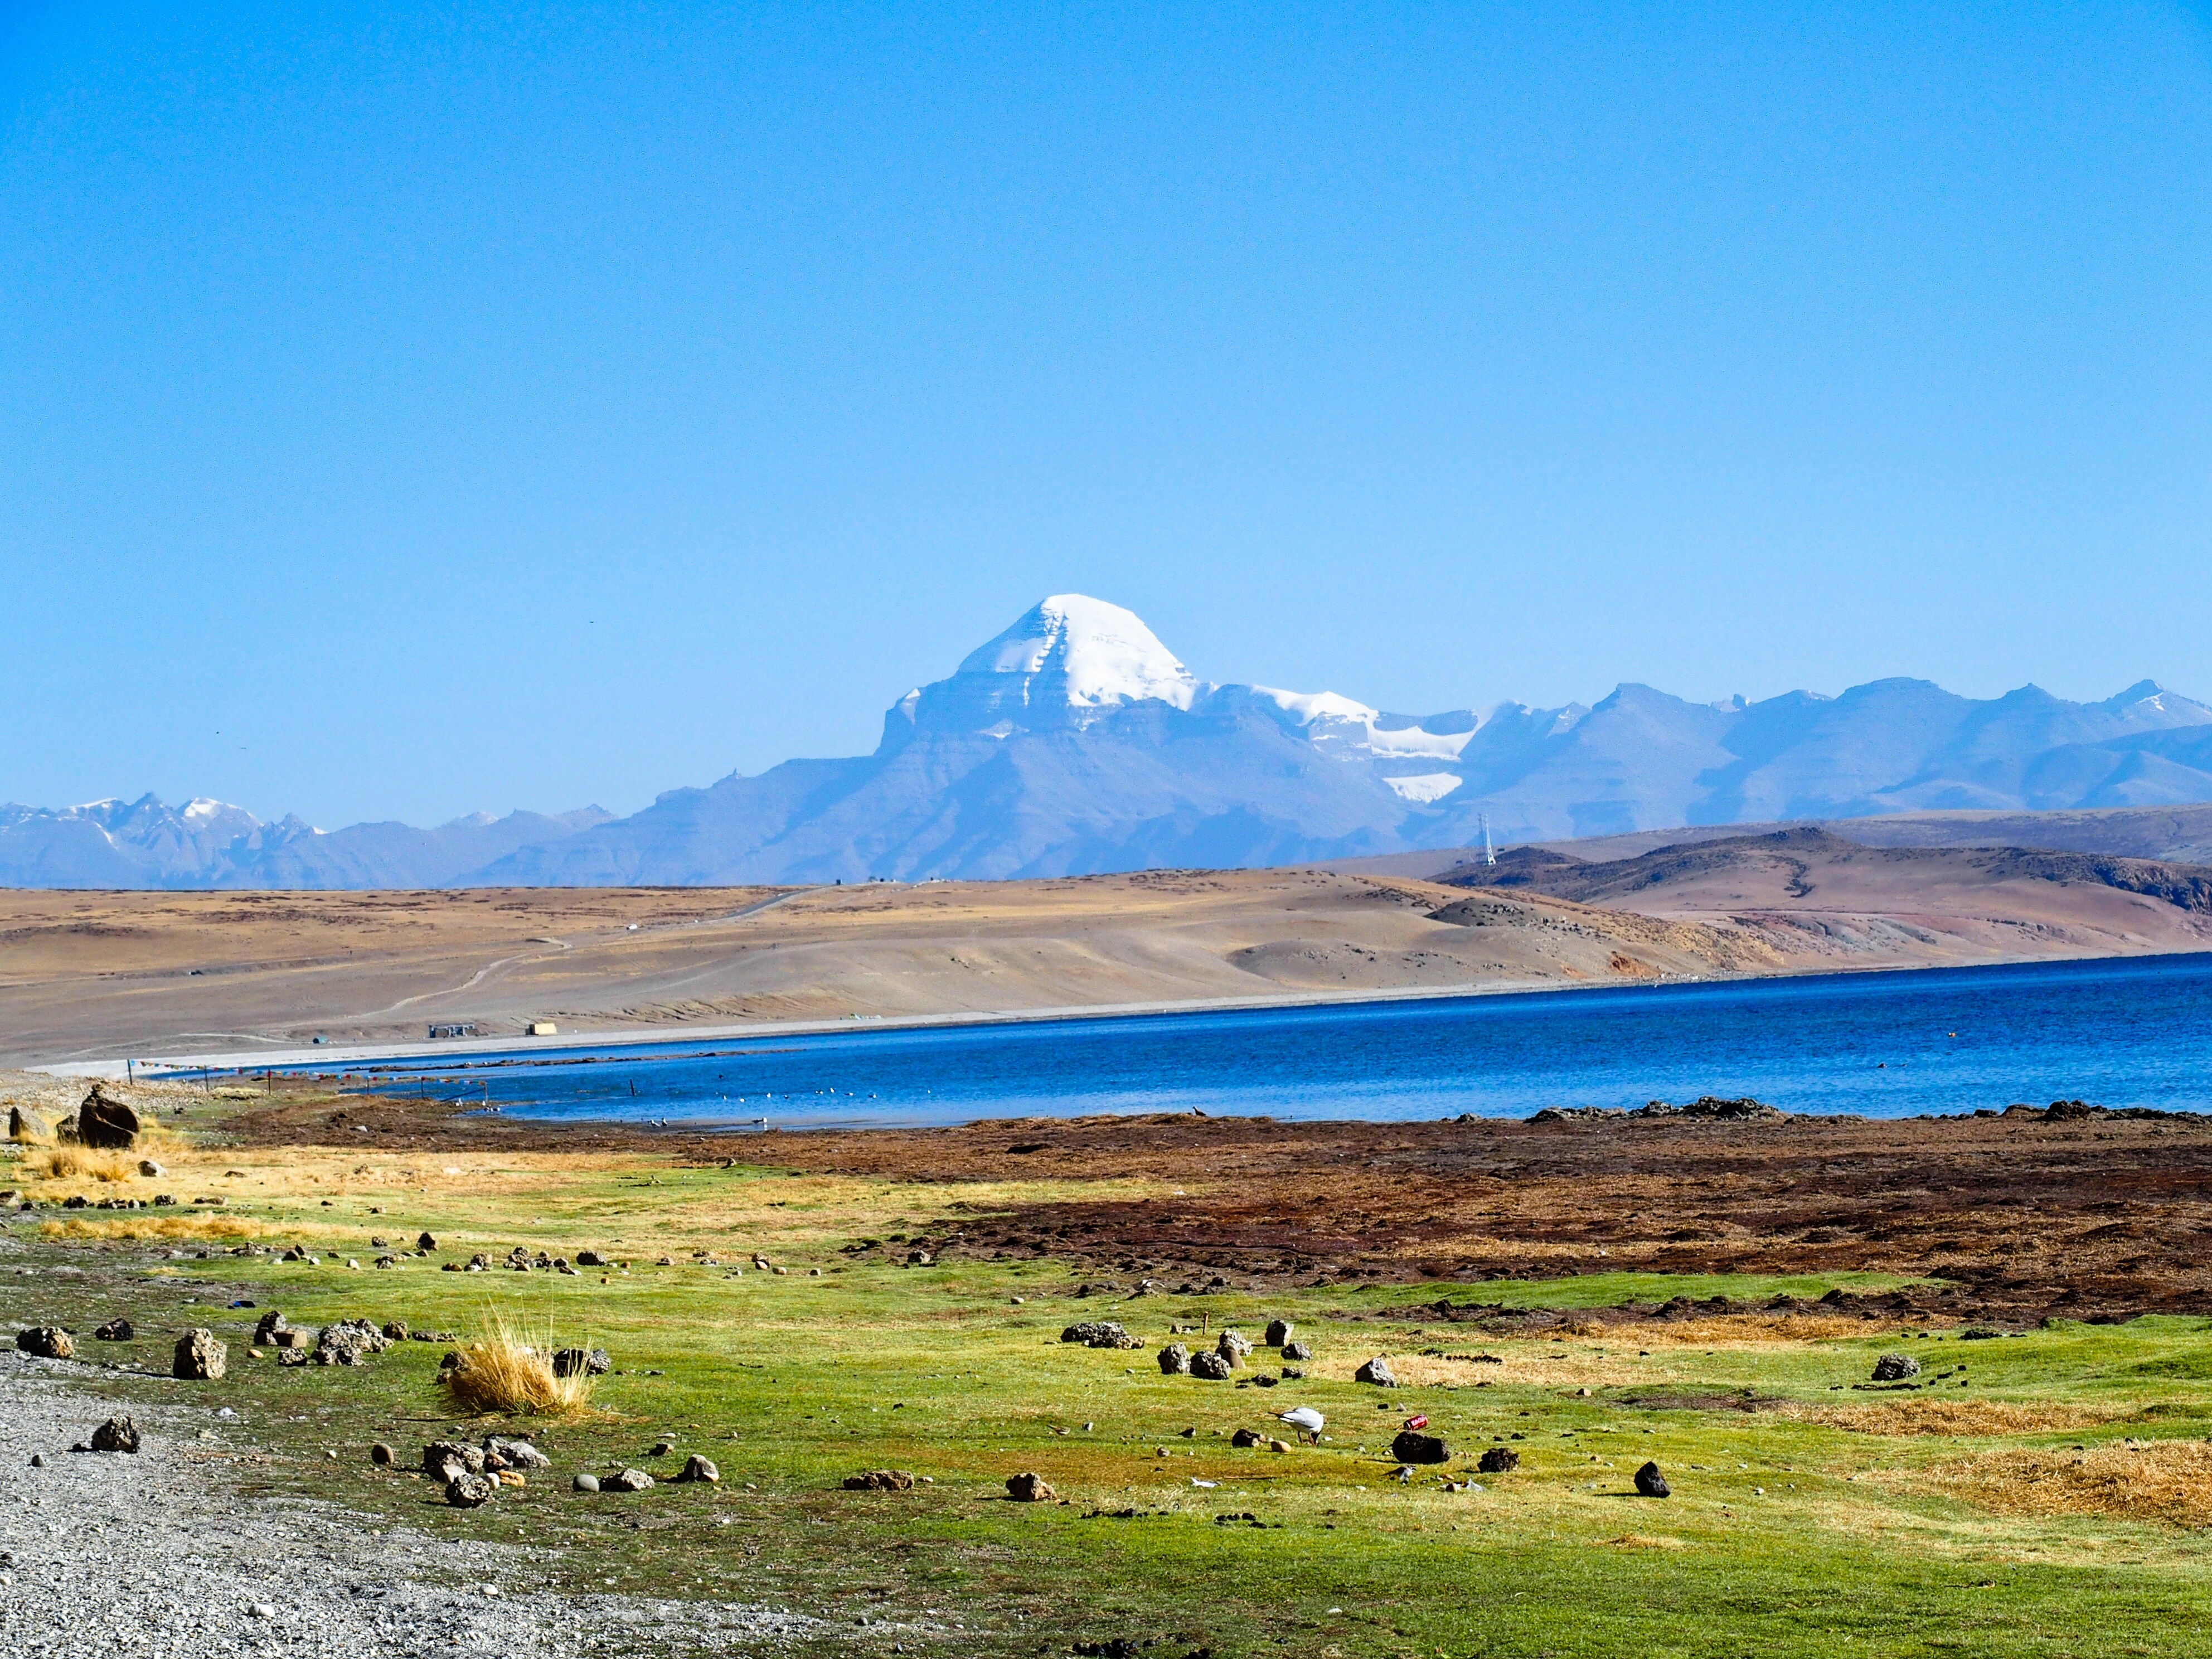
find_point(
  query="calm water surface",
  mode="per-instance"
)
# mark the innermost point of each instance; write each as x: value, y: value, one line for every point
x: 2123, y: 1033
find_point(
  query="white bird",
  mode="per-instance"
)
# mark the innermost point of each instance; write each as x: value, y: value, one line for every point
x: 1306, y: 1420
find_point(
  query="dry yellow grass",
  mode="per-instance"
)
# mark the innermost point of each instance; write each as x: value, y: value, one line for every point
x: 504, y: 1375
x: 82, y: 1163
x: 2162, y: 1480
x: 1964, y: 1418
x: 197, y: 1224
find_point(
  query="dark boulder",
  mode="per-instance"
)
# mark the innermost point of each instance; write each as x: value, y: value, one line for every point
x: 107, y: 1124
x: 1650, y: 1482
x: 1411, y: 1447
x: 1377, y: 1372
x: 880, y: 1480
x: 1030, y: 1488
x: 45, y: 1341
x: 118, y: 1434
x: 116, y: 1330
x: 1211, y: 1367
x: 582, y: 1362
x: 1895, y: 1367
x: 1498, y: 1460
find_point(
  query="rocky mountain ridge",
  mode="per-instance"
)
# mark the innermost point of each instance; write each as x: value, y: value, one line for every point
x: 1075, y: 742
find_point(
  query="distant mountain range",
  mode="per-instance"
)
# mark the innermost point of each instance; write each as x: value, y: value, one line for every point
x: 1075, y: 743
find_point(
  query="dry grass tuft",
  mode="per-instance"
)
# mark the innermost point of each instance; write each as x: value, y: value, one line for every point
x: 505, y: 1375
x: 2162, y: 1480
x: 1964, y: 1418
x: 197, y: 1225
x: 82, y: 1163
x: 1637, y: 1540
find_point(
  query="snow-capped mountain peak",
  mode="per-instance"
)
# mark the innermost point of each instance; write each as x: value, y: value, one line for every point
x: 1087, y: 653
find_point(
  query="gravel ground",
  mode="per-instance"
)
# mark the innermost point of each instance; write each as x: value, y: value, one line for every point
x: 150, y: 1554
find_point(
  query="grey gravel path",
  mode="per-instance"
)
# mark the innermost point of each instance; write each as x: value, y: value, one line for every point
x: 150, y: 1555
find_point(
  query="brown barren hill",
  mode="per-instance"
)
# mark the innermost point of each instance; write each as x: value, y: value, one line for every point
x: 104, y: 974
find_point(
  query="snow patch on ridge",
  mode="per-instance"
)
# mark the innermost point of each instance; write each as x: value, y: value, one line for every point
x: 1427, y: 787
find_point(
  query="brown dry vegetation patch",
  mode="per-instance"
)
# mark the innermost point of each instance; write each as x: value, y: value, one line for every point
x: 2162, y: 1480
x: 1967, y: 1418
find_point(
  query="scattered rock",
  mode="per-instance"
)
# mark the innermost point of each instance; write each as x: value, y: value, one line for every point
x: 590, y: 1259
x: 116, y: 1330
x: 200, y: 1356
x: 1411, y: 1447
x: 30, y: 1129
x: 444, y: 1459
x: 348, y: 1342
x: 1175, y: 1360
x: 1233, y: 1347
x: 106, y: 1123
x: 264, y: 1333
x: 150, y: 1170
x: 1029, y: 1488
x: 1245, y: 1437
x: 1210, y: 1366
x: 1895, y: 1367
x: 425, y: 1242
x: 503, y: 1452
x: 395, y: 1330
x: 663, y: 1448
x: 380, y: 1455
x: 1100, y: 1333
x: 1650, y: 1482
x: 468, y: 1492
x: 627, y: 1480
x: 47, y: 1341
x: 1279, y: 1332
x: 582, y: 1362
x: 1297, y: 1350
x: 585, y: 1483
x: 696, y: 1468
x: 1377, y: 1371
x: 118, y: 1434
x: 1498, y: 1460
x: 880, y: 1480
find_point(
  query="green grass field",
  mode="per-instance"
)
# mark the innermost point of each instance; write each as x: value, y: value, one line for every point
x: 2041, y: 1492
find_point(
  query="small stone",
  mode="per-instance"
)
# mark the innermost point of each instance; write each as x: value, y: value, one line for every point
x: 380, y: 1455
x: 150, y: 1170
x: 116, y: 1330
x: 444, y: 1459
x: 1175, y: 1360
x: 1029, y: 1488
x: 1498, y: 1460
x: 262, y: 1610
x: 1245, y: 1437
x: 696, y: 1468
x: 37, y: 1460
x: 1100, y: 1333
x: 585, y: 1483
x: 1279, y: 1332
x: 1895, y: 1367
x: 199, y: 1356
x: 627, y: 1480
x: 663, y: 1448
x: 880, y: 1480
x: 1377, y: 1372
x: 1297, y: 1351
x: 118, y: 1434
x: 514, y: 1453
x: 1650, y: 1482
x: 45, y: 1341
x: 582, y: 1362
x: 468, y: 1492
x: 1413, y: 1448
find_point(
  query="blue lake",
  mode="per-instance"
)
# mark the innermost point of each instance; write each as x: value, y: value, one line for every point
x: 2121, y: 1033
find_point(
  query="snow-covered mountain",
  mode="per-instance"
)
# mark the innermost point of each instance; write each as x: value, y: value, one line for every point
x: 1076, y: 741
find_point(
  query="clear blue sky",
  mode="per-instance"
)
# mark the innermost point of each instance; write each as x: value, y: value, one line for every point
x: 406, y: 410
